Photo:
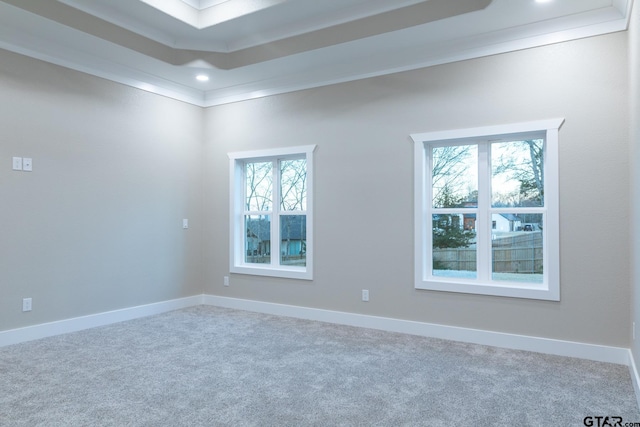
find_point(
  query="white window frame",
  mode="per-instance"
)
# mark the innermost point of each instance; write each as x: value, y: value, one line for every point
x: 237, y: 211
x: 549, y: 289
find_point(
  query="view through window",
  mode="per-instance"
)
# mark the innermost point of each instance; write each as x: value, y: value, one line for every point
x: 271, y: 216
x: 487, y: 211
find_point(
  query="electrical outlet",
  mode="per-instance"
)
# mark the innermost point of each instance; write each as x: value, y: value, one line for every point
x: 226, y: 280
x: 26, y: 304
x: 365, y: 295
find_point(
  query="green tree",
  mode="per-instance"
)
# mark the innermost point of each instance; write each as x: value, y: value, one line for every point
x: 448, y: 230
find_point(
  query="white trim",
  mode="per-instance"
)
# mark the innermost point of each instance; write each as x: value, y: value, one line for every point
x: 43, y: 330
x: 483, y: 285
x: 607, y: 354
x: 117, y: 73
x: 600, y: 353
x: 237, y: 212
x: 606, y: 20
x: 635, y: 378
x: 272, y: 152
x: 538, y: 126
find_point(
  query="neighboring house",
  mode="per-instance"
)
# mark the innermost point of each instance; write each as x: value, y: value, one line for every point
x: 293, y: 237
x: 469, y: 221
x: 258, y: 242
x: 505, y: 222
x: 500, y: 222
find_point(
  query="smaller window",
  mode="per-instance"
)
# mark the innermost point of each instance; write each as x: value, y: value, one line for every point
x: 271, y: 212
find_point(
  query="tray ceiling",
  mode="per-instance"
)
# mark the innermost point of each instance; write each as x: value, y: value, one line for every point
x: 253, y: 48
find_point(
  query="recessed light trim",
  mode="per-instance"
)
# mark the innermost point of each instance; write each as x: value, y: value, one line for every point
x: 202, y: 78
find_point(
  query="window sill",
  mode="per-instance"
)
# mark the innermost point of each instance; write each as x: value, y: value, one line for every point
x: 283, y: 272
x: 537, y: 291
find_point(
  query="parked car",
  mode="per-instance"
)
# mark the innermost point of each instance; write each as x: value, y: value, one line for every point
x: 530, y: 227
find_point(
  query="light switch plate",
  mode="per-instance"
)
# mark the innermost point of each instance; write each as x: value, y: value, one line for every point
x: 17, y: 163
x: 27, y: 164
x: 185, y: 223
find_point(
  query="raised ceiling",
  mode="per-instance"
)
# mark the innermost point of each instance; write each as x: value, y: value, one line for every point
x: 253, y: 48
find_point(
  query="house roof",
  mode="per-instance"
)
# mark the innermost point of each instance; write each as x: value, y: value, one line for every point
x: 293, y: 227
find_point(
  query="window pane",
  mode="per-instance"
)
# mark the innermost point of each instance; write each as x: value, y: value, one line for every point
x: 258, y: 177
x: 454, y: 247
x: 293, y: 240
x: 517, y: 173
x: 258, y: 239
x: 293, y: 184
x: 455, y: 176
x: 517, y: 248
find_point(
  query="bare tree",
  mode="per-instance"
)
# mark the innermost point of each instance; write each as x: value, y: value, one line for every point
x: 523, y: 161
x: 259, y: 195
x: 449, y: 167
x: 259, y: 186
x: 293, y: 184
x: 293, y: 190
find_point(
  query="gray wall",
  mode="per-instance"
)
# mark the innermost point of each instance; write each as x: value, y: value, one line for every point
x: 97, y: 225
x: 634, y: 79
x: 364, y: 186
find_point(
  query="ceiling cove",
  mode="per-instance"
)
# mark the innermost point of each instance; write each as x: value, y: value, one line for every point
x: 255, y: 48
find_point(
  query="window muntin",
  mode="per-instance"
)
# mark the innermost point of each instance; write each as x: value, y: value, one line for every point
x: 271, y: 197
x: 487, y: 210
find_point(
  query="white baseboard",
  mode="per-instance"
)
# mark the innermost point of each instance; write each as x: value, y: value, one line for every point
x: 497, y: 339
x: 633, y: 370
x: 618, y: 355
x: 15, y: 336
x: 598, y: 353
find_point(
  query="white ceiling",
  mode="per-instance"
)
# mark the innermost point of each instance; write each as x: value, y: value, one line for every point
x: 253, y: 48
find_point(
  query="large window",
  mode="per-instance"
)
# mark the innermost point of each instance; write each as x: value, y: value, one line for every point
x: 486, y: 210
x: 271, y: 212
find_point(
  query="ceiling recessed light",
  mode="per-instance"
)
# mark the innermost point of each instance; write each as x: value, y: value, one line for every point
x: 202, y: 78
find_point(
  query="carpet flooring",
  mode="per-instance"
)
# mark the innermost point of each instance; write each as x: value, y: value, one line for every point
x: 209, y: 366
